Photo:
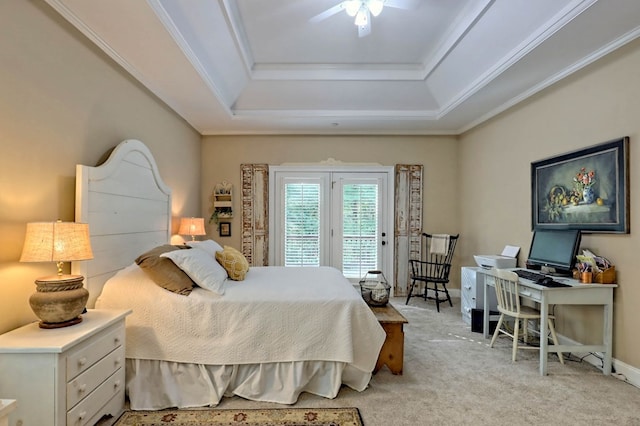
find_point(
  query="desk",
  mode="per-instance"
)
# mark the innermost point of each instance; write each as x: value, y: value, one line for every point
x: 577, y: 294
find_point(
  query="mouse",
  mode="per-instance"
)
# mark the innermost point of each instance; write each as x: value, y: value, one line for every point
x: 545, y: 280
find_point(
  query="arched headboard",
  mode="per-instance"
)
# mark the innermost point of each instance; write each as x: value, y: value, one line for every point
x: 128, y: 209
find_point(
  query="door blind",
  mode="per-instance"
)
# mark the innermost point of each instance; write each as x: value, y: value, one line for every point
x: 302, y: 224
x: 360, y: 232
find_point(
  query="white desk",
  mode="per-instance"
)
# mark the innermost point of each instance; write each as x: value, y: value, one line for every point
x: 577, y: 294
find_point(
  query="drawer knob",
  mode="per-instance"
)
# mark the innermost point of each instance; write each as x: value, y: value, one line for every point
x: 82, y: 415
x: 116, y: 340
x: 82, y: 388
x: 116, y: 384
x: 82, y: 361
x: 118, y: 362
x: 468, y: 287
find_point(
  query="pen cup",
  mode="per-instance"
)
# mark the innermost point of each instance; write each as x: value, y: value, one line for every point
x: 586, y: 277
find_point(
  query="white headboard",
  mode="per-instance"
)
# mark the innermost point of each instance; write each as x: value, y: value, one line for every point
x: 128, y: 209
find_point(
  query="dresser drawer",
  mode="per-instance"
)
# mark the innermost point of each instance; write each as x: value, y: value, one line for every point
x: 90, y: 407
x: 92, y: 351
x: 90, y: 379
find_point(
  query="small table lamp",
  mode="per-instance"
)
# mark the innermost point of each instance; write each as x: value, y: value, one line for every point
x: 59, y: 299
x: 192, y: 226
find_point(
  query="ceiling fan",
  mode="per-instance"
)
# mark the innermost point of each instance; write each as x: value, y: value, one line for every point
x: 362, y: 10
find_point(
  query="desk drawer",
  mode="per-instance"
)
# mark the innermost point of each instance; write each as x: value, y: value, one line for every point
x: 530, y: 293
x: 92, y: 351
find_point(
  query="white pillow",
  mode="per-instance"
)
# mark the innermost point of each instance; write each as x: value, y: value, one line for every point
x: 209, y: 246
x: 203, y: 269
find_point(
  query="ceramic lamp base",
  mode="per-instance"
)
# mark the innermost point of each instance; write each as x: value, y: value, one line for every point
x: 59, y: 300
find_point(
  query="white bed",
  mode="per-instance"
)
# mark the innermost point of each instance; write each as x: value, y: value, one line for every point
x: 279, y: 332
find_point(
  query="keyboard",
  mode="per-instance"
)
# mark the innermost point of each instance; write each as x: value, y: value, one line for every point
x: 538, y: 278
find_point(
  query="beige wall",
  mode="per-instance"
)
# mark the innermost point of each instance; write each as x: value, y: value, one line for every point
x: 222, y: 156
x: 598, y: 104
x: 63, y: 102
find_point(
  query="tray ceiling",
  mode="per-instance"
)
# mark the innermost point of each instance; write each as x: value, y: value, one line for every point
x: 261, y: 67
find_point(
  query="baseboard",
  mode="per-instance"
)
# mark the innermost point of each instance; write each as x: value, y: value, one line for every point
x: 626, y: 373
x: 620, y: 370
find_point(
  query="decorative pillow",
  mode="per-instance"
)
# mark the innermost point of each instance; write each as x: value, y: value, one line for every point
x: 163, y: 271
x: 234, y: 262
x: 209, y: 246
x: 201, y: 267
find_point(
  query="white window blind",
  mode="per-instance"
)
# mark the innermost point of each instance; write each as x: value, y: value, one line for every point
x: 302, y: 224
x: 360, y: 207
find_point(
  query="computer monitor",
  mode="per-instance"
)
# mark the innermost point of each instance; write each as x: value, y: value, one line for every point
x: 554, y: 251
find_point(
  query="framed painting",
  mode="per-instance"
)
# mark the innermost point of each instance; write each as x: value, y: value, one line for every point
x: 225, y: 229
x: 586, y: 189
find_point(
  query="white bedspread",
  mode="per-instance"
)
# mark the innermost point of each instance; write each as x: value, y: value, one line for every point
x: 276, y: 314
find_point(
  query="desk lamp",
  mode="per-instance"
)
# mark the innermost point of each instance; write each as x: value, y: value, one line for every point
x: 192, y: 226
x: 59, y: 299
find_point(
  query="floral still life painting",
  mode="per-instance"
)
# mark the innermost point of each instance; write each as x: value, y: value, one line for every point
x: 585, y: 189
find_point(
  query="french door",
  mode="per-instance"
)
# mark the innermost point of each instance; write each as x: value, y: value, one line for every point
x: 332, y: 217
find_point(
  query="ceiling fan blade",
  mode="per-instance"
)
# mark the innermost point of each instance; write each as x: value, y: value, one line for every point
x: 328, y: 13
x: 402, y: 4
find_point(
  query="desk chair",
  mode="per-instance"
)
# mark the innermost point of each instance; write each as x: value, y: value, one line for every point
x: 433, y: 267
x: 506, y: 283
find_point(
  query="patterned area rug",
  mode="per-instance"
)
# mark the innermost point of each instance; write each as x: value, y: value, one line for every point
x: 269, y: 417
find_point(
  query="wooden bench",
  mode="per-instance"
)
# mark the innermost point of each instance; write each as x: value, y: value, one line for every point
x: 392, y: 352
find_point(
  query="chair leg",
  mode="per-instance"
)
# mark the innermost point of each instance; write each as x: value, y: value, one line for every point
x: 554, y: 337
x: 514, y: 350
x: 525, y: 330
x: 435, y: 287
x: 447, y: 293
x: 497, y: 331
x: 413, y: 283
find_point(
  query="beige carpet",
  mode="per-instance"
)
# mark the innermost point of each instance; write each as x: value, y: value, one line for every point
x: 244, y: 417
x: 452, y: 377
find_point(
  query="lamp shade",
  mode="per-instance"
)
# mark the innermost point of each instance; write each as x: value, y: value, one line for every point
x: 192, y: 226
x: 56, y: 242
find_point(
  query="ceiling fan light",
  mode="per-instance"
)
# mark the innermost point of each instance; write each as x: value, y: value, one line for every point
x: 375, y: 6
x: 352, y: 7
x: 361, y: 17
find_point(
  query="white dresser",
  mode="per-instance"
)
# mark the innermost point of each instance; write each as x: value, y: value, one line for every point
x: 472, y: 293
x: 67, y: 376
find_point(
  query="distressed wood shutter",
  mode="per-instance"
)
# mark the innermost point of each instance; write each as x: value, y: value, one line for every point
x: 255, y: 213
x: 407, y: 223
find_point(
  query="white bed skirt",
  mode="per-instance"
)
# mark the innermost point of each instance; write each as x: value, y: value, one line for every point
x: 154, y: 385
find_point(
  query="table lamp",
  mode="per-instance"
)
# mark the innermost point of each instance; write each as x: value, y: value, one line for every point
x: 59, y: 299
x: 192, y: 226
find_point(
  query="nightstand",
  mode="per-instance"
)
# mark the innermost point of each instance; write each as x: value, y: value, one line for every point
x: 66, y: 376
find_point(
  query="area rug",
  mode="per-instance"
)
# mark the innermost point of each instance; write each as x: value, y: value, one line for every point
x: 247, y: 417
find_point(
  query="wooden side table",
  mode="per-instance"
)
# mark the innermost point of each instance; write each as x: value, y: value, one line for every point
x: 392, y: 352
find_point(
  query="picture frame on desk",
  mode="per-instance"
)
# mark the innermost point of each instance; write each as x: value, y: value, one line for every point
x: 587, y: 189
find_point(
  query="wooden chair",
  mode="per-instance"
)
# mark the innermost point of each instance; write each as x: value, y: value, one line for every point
x: 433, y: 267
x: 506, y: 283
